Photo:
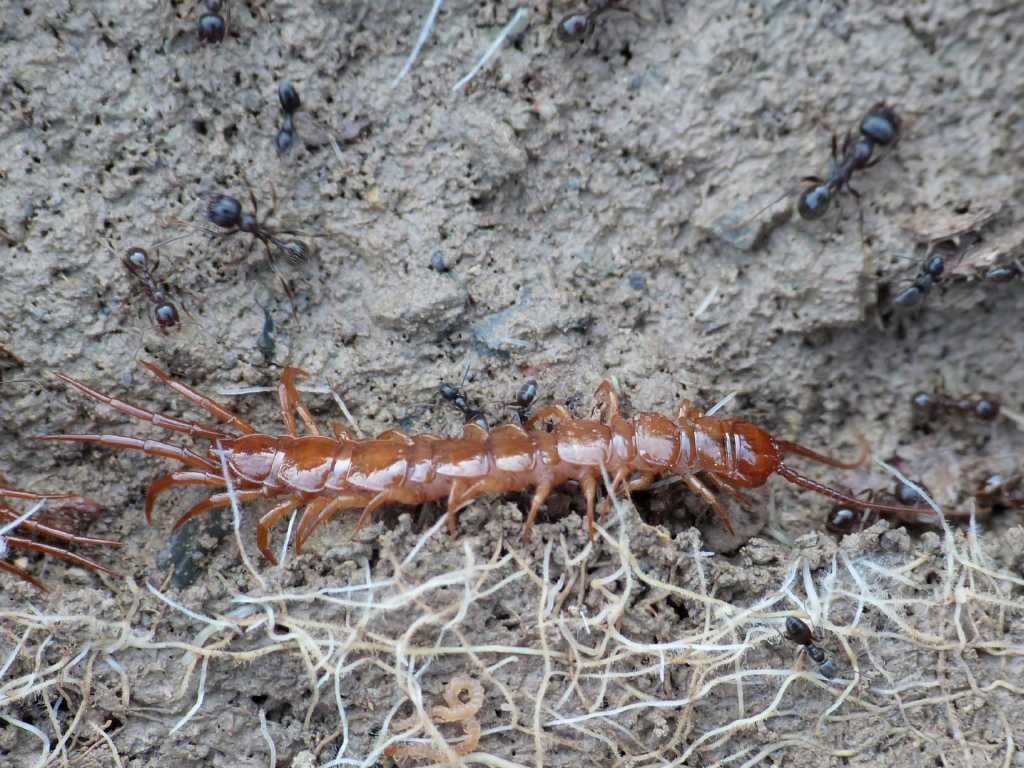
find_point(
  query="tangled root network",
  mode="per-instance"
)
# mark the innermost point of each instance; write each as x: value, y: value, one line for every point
x: 629, y: 651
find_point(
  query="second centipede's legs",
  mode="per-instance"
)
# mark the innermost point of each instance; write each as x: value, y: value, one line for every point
x: 288, y: 396
x: 269, y: 520
x: 698, y: 487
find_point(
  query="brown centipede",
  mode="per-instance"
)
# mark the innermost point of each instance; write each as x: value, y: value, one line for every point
x: 60, y: 524
x: 456, y: 711
x: 328, y: 475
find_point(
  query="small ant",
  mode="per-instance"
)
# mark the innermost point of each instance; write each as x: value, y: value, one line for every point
x: 879, y: 127
x: 929, y: 275
x: 579, y: 27
x: 927, y: 406
x: 290, y: 104
x: 843, y: 520
x: 212, y: 26
x: 138, y: 262
x: 524, y: 399
x: 798, y: 632
x: 999, y: 491
x: 226, y: 212
x: 457, y: 397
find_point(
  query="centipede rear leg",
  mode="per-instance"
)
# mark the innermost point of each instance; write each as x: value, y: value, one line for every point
x: 212, y: 406
x: 312, y: 518
x: 539, y: 496
x: 272, y: 518
x: 708, y: 495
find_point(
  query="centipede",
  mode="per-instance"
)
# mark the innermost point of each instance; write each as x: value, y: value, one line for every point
x: 71, y: 512
x: 324, y: 475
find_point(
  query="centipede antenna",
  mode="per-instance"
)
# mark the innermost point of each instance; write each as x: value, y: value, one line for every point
x: 19, y: 520
x: 514, y: 26
x: 424, y: 34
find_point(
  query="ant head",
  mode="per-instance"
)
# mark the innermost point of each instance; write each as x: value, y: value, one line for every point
x: 922, y: 401
x: 935, y: 266
x: 211, y: 28
x: 986, y: 409
x: 814, y: 201
x: 881, y: 125
x: 573, y: 28
x: 224, y: 211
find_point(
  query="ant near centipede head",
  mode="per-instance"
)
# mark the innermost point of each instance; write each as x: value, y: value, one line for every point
x: 456, y: 395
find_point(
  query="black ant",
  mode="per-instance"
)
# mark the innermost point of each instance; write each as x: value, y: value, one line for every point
x: 139, y: 263
x: 457, y: 397
x: 265, y: 342
x: 524, y: 399
x: 879, y: 127
x: 212, y: 26
x: 928, y: 405
x: 798, y: 632
x: 290, y: 104
x: 930, y: 274
x: 579, y: 27
x: 1000, y: 492
x: 843, y: 520
x: 226, y: 212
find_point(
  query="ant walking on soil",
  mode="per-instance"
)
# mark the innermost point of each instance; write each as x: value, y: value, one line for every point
x: 226, y: 212
x: 290, y: 104
x: 928, y: 405
x: 143, y: 268
x: 798, y: 632
x: 580, y: 26
x: 879, y: 127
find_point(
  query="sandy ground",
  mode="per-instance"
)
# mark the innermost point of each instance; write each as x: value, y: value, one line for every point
x: 593, y: 212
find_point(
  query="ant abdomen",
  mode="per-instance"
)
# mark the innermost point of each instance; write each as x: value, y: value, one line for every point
x: 814, y: 202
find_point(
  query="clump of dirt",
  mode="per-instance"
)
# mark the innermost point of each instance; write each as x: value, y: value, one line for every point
x: 576, y: 214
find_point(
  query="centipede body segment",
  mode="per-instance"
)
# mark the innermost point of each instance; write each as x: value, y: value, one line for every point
x: 327, y: 475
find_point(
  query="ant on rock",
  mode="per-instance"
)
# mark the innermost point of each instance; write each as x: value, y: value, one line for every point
x: 290, y: 104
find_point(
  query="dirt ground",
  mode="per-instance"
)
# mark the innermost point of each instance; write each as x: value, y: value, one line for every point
x: 594, y: 214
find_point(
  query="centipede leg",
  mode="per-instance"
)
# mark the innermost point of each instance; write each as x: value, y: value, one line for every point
x: 184, y: 426
x: 14, y: 570
x: 474, y: 432
x: 606, y: 401
x: 539, y: 496
x: 289, y: 398
x: 48, y: 549
x: 269, y: 520
x: 589, y: 486
x: 149, y: 447
x: 173, y: 479
x: 788, y: 448
x: 14, y: 493
x: 9, y: 515
x: 216, y: 501
x: 312, y: 519
x: 204, y: 402
x: 698, y: 487
x: 688, y: 411
x: 548, y: 412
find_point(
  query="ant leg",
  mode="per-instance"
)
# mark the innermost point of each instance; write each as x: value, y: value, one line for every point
x: 149, y: 447
x: 288, y: 397
x: 272, y: 518
x: 699, y: 488
x: 167, y: 422
x: 173, y: 479
x: 204, y: 402
x: 553, y: 412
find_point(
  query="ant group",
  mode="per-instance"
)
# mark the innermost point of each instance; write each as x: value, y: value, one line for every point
x: 290, y: 104
x: 143, y: 268
x: 879, y: 127
x: 798, y: 632
x: 521, y: 404
x: 212, y: 26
